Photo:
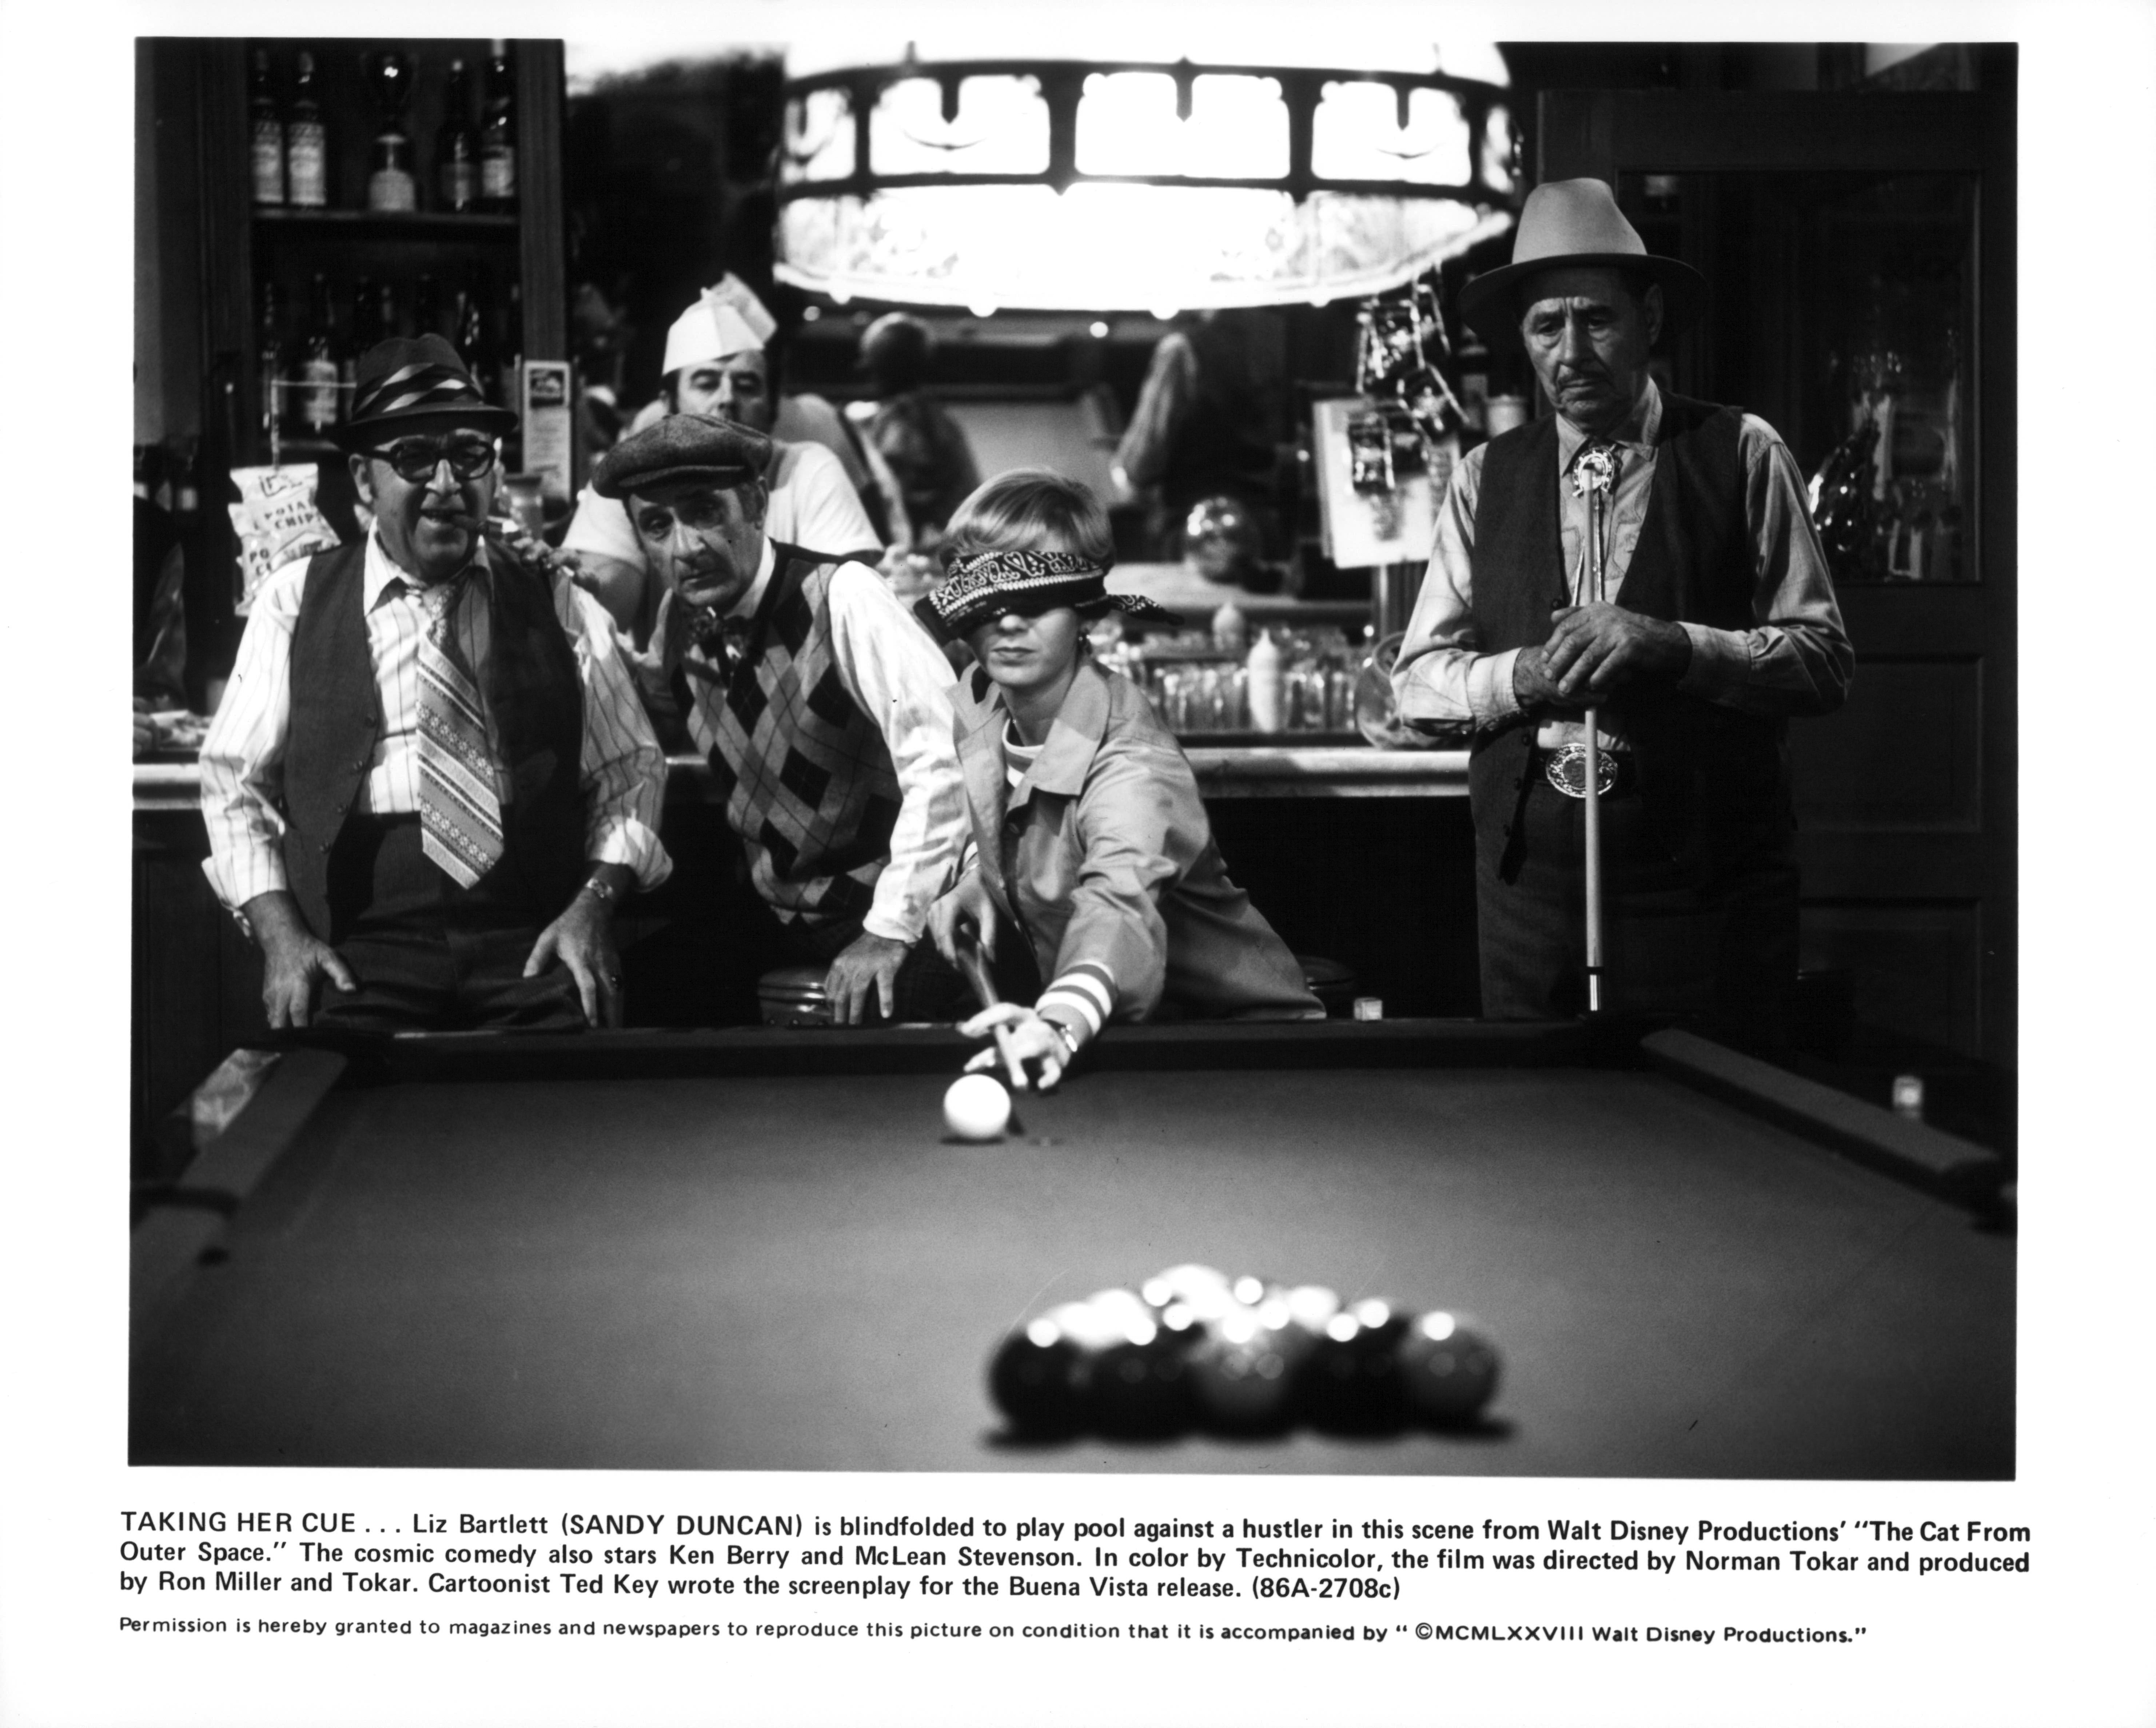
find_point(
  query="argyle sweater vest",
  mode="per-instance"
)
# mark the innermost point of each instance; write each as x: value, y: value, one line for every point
x: 1714, y: 782
x: 535, y: 709
x: 807, y: 780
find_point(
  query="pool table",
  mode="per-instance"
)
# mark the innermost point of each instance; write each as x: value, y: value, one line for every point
x: 755, y: 1249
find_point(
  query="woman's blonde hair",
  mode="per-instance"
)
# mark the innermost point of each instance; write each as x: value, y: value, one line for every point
x: 1022, y: 507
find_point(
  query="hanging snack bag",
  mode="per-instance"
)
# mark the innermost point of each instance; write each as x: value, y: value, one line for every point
x: 276, y: 521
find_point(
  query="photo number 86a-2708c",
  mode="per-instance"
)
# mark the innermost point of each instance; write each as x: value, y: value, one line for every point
x: 1324, y: 1589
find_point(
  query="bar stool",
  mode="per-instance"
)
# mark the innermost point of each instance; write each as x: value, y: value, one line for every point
x: 794, y: 996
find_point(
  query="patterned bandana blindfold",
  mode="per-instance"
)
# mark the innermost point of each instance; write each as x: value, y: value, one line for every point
x: 987, y: 585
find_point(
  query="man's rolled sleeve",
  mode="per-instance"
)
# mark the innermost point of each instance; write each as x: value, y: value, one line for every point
x: 623, y: 770
x: 243, y: 757
x: 902, y: 683
x: 1796, y: 661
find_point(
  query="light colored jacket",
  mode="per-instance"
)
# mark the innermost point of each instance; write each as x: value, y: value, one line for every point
x: 1102, y: 856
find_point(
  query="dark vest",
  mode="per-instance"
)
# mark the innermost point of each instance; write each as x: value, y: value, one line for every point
x: 534, y: 699
x: 1714, y: 782
x: 808, y: 782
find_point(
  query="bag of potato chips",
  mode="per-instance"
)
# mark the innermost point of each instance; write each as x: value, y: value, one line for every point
x: 277, y: 521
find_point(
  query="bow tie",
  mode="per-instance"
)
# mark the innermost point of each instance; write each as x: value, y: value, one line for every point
x: 722, y: 636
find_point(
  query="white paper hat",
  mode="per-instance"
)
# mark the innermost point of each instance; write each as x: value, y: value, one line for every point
x: 727, y: 319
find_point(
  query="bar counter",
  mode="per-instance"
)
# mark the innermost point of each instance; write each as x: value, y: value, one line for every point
x: 1269, y: 770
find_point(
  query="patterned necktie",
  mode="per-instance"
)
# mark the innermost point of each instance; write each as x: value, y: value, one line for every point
x: 459, y: 796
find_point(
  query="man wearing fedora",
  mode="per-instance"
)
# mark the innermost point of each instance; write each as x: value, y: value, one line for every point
x: 1651, y: 557
x: 430, y: 782
x: 825, y: 711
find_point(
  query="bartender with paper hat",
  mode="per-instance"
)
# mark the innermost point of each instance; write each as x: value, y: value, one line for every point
x: 717, y: 364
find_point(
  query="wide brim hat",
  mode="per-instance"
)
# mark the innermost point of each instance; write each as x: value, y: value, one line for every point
x: 1573, y: 224
x: 415, y: 384
x: 983, y: 585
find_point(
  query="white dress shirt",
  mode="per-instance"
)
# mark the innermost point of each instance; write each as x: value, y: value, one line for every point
x: 1796, y: 659
x: 900, y: 680
x: 623, y: 770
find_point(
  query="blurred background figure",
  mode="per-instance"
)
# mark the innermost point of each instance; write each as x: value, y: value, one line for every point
x: 1222, y: 542
x: 600, y: 334
x: 925, y: 449
x: 1213, y: 410
x: 724, y: 356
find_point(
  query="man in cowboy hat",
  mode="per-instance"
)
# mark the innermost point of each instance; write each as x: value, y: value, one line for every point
x: 717, y: 361
x: 430, y: 782
x: 1651, y: 557
x: 825, y: 711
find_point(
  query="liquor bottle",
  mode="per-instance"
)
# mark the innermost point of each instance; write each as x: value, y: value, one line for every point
x: 385, y: 320
x: 456, y: 147
x: 1267, y: 684
x: 391, y: 185
x: 268, y: 132
x: 497, y: 136
x: 269, y: 360
x: 363, y: 334
x: 306, y: 142
x: 509, y: 361
x: 470, y: 337
x: 509, y: 352
x: 426, y: 307
x: 317, y: 379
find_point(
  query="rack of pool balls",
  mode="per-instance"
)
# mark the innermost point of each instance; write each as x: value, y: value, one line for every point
x: 1194, y: 1349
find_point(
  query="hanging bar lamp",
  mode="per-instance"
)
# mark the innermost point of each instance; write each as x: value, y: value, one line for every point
x: 1087, y: 185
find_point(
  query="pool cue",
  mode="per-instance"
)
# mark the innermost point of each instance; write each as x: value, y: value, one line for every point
x: 972, y: 963
x: 1593, y: 812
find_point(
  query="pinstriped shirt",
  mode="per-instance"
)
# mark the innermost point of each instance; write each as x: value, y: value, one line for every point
x: 623, y: 770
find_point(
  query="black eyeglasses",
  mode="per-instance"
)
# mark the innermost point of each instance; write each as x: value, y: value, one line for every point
x: 468, y: 455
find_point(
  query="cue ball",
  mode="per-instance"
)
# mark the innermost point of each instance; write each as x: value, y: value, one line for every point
x: 1448, y: 1369
x: 977, y: 1108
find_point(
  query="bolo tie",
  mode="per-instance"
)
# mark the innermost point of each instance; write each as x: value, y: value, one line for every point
x: 1595, y: 478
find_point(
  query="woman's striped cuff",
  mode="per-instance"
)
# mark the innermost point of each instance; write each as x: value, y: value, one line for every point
x: 1082, y: 1001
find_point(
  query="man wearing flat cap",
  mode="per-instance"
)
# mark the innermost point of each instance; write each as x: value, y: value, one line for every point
x: 430, y: 782
x: 1651, y: 557
x: 825, y: 710
x: 716, y: 363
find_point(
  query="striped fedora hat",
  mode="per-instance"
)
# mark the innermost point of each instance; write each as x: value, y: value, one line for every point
x: 414, y: 384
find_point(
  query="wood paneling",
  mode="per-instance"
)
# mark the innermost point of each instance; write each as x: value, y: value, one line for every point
x: 1906, y: 753
x: 1916, y: 969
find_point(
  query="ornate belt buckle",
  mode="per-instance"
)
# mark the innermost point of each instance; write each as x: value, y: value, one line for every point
x: 1565, y: 767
